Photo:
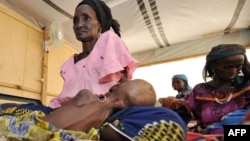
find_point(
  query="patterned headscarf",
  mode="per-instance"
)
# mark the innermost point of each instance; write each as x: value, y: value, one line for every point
x: 183, y: 77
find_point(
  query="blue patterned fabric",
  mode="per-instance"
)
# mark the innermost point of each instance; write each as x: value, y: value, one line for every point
x: 149, y: 123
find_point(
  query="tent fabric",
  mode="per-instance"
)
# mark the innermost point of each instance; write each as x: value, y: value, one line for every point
x: 192, y: 48
x: 155, y: 31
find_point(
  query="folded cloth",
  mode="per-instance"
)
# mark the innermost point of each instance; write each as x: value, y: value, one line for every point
x: 149, y: 123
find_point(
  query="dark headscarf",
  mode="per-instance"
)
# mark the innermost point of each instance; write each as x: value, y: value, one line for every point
x: 103, y: 14
x: 223, y: 51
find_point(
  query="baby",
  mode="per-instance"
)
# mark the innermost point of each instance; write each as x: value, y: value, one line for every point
x: 87, y: 110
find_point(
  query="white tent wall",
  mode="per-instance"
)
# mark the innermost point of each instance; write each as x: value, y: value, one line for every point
x: 196, y: 47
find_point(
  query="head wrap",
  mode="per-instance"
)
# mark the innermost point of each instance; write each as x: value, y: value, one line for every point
x: 182, y: 77
x: 224, y: 50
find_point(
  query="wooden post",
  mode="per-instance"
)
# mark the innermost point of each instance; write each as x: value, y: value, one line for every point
x: 45, y: 65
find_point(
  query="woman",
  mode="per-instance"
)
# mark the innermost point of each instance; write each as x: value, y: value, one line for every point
x: 179, y: 103
x: 105, y: 59
x: 180, y: 84
x: 227, y: 91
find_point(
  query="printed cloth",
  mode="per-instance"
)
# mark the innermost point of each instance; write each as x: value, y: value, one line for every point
x: 30, y: 127
x: 99, y: 71
x: 18, y: 110
x: 191, y: 136
x: 148, y: 123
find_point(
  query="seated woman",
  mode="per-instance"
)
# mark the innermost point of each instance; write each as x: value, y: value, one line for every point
x: 227, y: 91
x: 86, y: 116
x: 179, y: 103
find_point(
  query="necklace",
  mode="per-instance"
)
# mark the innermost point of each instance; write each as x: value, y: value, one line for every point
x: 222, y: 101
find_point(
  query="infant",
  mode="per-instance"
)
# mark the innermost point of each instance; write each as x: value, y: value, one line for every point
x: 86, y: 110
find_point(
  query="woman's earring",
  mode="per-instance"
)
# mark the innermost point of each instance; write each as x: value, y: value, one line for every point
x: 100, y: 31
x: 240, y: 73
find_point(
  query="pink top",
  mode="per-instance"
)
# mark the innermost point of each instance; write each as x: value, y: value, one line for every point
x: 97, y: 72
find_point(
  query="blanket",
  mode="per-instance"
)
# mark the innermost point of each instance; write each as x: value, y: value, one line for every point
x: 22, y: 122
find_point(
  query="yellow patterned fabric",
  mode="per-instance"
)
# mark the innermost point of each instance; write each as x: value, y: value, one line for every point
x: 163, y: 131
x: 31, y: 128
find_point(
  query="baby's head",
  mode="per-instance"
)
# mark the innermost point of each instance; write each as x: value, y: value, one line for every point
x: 136, y: 92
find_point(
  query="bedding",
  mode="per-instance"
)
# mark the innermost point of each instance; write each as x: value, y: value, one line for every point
x: 22, y: 122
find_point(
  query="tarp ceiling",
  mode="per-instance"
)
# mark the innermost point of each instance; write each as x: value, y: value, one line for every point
x: 155, y: 31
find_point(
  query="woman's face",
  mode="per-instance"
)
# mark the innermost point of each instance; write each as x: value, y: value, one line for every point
x: 85, y: 24
x: 228, y: 68
x: 178, y: 84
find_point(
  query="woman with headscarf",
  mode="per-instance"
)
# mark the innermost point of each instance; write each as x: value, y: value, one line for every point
x: 227, y: 92
x: 105, y: 59
x: 180, y: 84
x: 179, y: 103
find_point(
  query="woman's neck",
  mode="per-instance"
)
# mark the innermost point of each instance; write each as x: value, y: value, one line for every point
x: 182, y: 90
x: 218, y: 84
x: 87, y: 47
